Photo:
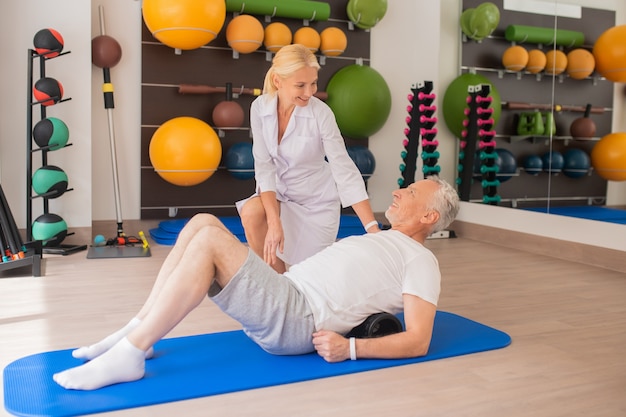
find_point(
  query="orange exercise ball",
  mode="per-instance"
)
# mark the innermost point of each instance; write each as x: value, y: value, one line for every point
x: 184, y: 24
x: 515, y: 58
x: 308, y: 37
x: 245, y: 34
x: 276, y: 36
x: 536, y: 61
x: 580, y: 63
x: 185, y: 151
x: 608, y: 157
x: 333, y: 41
x: 556, y: 62
x: 610, y: 54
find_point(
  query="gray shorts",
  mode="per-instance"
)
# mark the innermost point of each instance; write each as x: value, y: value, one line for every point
x: 272, y: 311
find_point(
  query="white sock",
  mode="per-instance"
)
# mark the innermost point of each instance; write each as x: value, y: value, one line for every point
x: 122, y: 363
x: 97, y: 349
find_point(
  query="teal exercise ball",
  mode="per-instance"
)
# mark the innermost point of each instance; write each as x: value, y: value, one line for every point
x: 360, y: 99
x: 455, y: 101
x: 50, y: 179
x: 50, y: 228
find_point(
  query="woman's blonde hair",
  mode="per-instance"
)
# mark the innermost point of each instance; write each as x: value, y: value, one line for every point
x: 286, y: 62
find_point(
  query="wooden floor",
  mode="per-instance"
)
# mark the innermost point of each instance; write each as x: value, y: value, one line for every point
x: 567, y: 322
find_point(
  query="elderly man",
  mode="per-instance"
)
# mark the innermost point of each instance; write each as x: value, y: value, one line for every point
x: 309, y: 308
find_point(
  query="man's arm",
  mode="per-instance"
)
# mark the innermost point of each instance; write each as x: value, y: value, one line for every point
x: 419, y: 317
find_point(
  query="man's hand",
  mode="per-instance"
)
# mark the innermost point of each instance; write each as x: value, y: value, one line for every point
x: 331, y: 346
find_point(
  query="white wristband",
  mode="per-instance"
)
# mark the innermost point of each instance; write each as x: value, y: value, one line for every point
x: 352, y: 349
x: 370, y: 224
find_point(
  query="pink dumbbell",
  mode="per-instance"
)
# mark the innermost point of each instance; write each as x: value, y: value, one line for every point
x: 422, y: 96
x: 430, y: 142
x: 490, y: 144
x: 424, y: 108
x: 428, y: 131
x: 424, y: 119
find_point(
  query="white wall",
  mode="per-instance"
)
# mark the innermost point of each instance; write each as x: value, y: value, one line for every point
x: 416, y: 41
x: 19, y: 21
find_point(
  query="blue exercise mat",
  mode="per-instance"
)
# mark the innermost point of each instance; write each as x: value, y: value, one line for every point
x: 212, y: 364
x: 168, y: 230
x: 599, y: 213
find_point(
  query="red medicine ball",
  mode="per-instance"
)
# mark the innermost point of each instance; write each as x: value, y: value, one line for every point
x: 48, y: 91
x: 48, y: 42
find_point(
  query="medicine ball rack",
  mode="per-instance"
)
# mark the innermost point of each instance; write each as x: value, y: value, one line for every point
x: 57, y: 249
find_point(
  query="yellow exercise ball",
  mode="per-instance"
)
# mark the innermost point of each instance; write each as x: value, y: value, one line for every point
x: 580, y: 63
x: 515, y: 58
x: 556, y: 62
x: 308, y: 37
x: 608, y: 157
x: 245, y: 33
x: 610, y: 54
x: 333, y: 41
x: 276, y: 36
x: 185, y: 151
x: 536, y: 61
x: 184, y: 24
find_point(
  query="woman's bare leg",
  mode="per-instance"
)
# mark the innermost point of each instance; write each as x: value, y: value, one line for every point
x: 254, y: 224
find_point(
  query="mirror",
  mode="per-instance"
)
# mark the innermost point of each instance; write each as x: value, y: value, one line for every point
x: 549, y: 120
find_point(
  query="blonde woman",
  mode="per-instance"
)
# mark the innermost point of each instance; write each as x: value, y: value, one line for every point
x: 303, y: 172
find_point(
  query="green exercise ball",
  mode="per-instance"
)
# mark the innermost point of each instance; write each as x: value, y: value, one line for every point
x: 51, y: 132
x: 50, y: 228
x: 50, y: 179
x: 454, y: 101
x: 360, y: 99
x: 365, y: 14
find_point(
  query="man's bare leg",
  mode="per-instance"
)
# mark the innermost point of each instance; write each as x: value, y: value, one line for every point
x: 211, y: 253
x: 187, y: 233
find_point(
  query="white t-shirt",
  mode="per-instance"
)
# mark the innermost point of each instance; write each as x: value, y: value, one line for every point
x: 369, y: 274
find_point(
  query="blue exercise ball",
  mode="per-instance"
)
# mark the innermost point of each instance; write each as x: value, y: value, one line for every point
x: 507, y: 164
x: 553, y: 162
x: 576, y: 163
x: 240, y: 161
x: 363, y: 159
x: 533, y: 164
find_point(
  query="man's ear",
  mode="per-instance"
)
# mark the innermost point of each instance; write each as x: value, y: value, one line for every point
x: 431, y: 217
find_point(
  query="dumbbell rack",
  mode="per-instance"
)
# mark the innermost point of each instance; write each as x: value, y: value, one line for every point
x: 16, y: 253
x: 421, y: 124
x: 478, y: 133
x: 59, y: 249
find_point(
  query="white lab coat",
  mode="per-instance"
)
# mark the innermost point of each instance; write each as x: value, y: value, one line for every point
x: 310, y: 171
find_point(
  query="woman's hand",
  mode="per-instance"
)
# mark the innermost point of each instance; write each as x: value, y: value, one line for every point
x: 274, y: 240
